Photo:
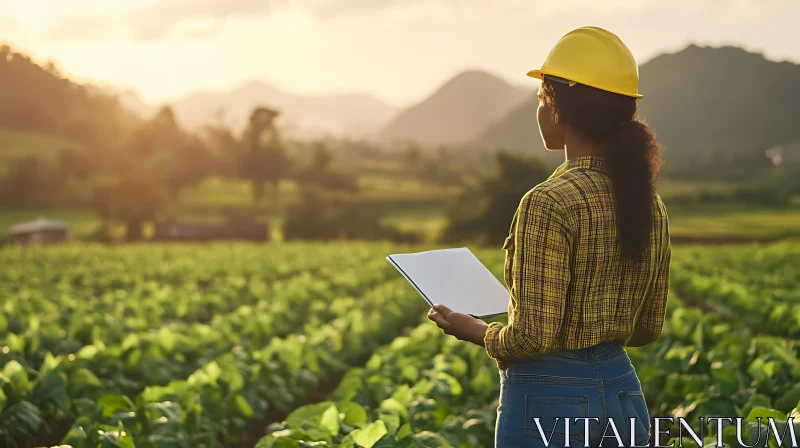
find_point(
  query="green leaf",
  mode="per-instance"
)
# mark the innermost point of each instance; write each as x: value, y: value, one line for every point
x: 50, y: 363
x: 208, y: 374
x: 132, y: 340
x: 410, y: 373
x: 265, y: 442
x: 111, y: 404
x: 789, y: 399
x: 447, y: 384
x: 278, y: 442
x: 88, y: 352
x: 390, y: 404
x: 16, y: 344
x: 368, y: 436
x: 390, y: 419
x: 154, y: 394
x: 22, y: 418
x: 308, y: 414
x: 116, y: 439
x: 347, y: 442
x: 330, y: 420
x: 19, y: 378
x: 431, y: 439
x: 764, y: 413
x: 403, y: 395
x: 423, y: 387
x: 50, y: 388
x: 354, y: 414
x: 166, y: 338
x: 2, y: 400
x: 243, y: 406
x: 386, y: 442
x: 403, y: 432
x: 755, y: 400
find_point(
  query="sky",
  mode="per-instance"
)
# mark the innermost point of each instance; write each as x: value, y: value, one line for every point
x: 399, y: 50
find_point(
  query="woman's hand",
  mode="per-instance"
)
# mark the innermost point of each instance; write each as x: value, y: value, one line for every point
x: 462, y: 326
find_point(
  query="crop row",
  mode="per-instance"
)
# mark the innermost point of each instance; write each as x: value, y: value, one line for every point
x: 50, y: 376
x: 769, y: 269
x: 427, y: 389
x: 758, y: 284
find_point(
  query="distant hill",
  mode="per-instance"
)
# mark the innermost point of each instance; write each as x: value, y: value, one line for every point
x: 351, y: 114
x: 708, y: 106
x: 131, y: 100
x: 457, y: 111
x: 38, y: 99
x: 518, y: 131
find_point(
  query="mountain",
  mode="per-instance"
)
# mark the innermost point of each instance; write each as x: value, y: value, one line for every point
x: 707, y: 105
x: 457, y: 111
x: 39, y: 99
x: 303, y: 115
x: 127, y: 98
x: 133, y: 102
x: 518, y: 131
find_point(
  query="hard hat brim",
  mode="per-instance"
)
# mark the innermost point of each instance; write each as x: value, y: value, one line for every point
x: 539, y: 74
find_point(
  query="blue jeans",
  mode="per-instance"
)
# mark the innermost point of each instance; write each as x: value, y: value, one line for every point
x: 597, y: 385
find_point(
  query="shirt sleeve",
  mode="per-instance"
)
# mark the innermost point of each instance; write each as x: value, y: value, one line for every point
x: 651, y: 319
x: 541, y: 274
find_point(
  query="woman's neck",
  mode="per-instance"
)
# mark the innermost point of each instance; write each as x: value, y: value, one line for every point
x: 577, y: 147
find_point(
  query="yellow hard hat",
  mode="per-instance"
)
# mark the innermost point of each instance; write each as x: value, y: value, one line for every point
x: 595, y: 57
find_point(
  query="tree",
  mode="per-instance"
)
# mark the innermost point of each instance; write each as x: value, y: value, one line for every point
x: 412, y: 157
x: 484, y: 213
x: 28, y: 179
x: 321, y: 158
x: 161, y: 133
x: 264, y: 161
x: 319, y: 171
x: 320, y: 217
x: 74, y: 164
x: 133, y: 201
x: 171, y: 156
x: 225, y: 150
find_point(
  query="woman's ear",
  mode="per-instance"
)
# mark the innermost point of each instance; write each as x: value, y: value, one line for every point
x: 550, y: 127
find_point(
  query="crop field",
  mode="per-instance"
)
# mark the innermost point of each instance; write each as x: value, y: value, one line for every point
x: 290, y: 345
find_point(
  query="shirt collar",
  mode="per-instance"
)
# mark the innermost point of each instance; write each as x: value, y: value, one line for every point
x: 597, y: 163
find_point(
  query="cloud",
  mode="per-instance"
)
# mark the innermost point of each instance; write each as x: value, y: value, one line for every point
x: 81, y: 28
x: 156, y: 19
x: 334, y: 8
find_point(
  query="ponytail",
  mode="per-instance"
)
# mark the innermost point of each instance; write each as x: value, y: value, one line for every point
x: 634, y: 159
x: 630, y: 147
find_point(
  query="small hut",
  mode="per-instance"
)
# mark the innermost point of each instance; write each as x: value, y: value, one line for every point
x: 41, y: 231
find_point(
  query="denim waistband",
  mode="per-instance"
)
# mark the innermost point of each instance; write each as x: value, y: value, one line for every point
x: 597, y: 353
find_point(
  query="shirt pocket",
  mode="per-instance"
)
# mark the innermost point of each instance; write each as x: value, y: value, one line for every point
x: 508, y: 246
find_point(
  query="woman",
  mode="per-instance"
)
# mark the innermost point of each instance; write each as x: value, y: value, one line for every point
x: 587, y: 261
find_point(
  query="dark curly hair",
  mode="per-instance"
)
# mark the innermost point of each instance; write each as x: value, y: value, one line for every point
x: 610, y: 121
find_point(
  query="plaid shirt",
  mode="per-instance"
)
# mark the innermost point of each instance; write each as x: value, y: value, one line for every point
x: 570, y: 287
